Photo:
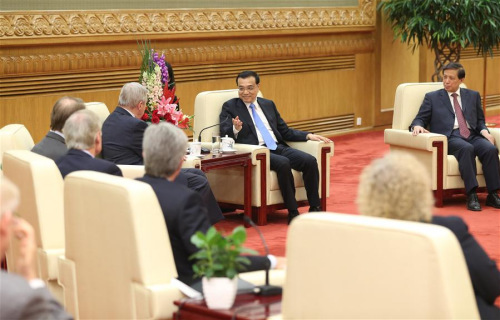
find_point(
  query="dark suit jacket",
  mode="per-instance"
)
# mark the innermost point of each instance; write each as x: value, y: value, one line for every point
x: 76, y: 160
x: 51, y: 146
x: 185, y: 214
x: 437, y: 112
x: 122, y: 137
x: 19, y: 301
x: 248, y: 134
x: 483, y: 271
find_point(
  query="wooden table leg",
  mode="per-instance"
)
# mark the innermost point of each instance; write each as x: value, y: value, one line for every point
x: 247, y: 189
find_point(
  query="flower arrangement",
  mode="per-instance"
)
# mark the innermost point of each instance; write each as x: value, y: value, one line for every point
x: 158, y: 78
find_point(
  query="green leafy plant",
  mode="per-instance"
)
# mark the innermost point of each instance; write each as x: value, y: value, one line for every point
x: 445, y: 26
x: 220, y: 256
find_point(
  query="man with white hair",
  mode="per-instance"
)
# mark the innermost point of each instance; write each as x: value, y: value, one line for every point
x: 83, y: 138
x: 122, y: 135
x: 164, y: 149
x: 22, y: 294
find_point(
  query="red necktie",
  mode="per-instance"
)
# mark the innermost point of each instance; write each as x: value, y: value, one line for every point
x: 462, y: 125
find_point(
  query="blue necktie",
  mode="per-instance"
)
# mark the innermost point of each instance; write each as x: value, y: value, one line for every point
x: 268, y: 140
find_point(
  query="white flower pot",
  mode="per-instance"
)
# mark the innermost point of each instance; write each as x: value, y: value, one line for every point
x: 219, y: 293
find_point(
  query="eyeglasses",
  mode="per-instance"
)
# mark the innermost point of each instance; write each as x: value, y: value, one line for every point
x: 249, y: 88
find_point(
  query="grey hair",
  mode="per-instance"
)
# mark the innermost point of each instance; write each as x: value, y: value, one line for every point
x: 164, y: 147
x: 131, y: 94
x: 81, y: 129
x: 9, y: 195
x: 396, y: 186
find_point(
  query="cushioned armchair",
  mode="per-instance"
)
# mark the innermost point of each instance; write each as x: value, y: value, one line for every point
x: 15, y: 137
x: 98, y: 108
x: 266, y: 196
x: 430, y: 148
x: 41, y: 187
x: 118, y: 261
x: 342, y: 266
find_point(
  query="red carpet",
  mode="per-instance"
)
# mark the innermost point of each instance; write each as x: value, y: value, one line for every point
x: 352, y: 153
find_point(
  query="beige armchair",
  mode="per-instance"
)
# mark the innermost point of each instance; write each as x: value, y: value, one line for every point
x: 342, y: 266
x: 430, y: 148
x: 99, y: 108
x: 15, y: 137
x: 41, y: 187
x: 266, y: 196
x: 118, y: 261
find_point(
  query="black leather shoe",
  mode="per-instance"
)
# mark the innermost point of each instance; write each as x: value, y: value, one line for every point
x: 493, y: 200
x: 473, y: 202
x: 315, y: 209
x: 292, y: 214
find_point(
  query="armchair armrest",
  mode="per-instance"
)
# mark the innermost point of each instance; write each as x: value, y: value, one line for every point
x: 495, y: 132
x: 254, y: 150
x: 423, y: 141
x: 191, y: 162
x: 312, y: 147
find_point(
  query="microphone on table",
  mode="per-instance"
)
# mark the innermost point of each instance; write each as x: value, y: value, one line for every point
x: 267, y: 289
x: 217, y: 124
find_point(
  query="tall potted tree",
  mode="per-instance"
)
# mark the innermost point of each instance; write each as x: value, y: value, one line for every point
x: 218, y: 261
x: 445, y: 26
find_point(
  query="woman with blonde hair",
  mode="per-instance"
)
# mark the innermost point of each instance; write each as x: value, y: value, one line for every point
x: 397, y: 186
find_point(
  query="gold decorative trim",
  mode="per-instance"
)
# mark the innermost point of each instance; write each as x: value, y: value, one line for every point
x: 38, y: 24
x: 131, y: 59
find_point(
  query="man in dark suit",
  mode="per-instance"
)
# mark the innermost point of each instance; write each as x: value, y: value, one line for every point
x: 457, y: 113
x: 483, y: 271
x: 164, y: 149
x: 123, y: 131
x: 22, y: 294
x: 257, y: 121
x: 83, y: 138
x: 53, y: 144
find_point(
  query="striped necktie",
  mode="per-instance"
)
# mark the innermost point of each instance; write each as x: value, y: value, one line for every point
x: 462, y: 125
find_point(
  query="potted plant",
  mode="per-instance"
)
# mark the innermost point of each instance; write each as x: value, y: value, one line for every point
x: 218, y: 261
x: 445, y: 26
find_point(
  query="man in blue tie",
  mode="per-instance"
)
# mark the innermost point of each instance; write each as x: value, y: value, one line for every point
x: 257, y: 121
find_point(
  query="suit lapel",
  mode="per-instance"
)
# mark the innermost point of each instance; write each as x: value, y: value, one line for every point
x: 445, y: 98
x: 465, y: 100
x: 245, y: 117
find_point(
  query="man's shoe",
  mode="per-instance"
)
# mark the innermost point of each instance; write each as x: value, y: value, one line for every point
x: 493, y: 200
x: 315, y: 209
x: 473, y: 202
x: 292, y: 214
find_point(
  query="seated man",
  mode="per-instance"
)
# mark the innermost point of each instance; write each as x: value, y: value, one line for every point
x: 257, y: 121
x: 53, y: 145
x: 123, y: 131
x: 22, y: 295
x: 83, y: 138
x: 457, y: 113
x: 164, y: 149
x: 399, y: 187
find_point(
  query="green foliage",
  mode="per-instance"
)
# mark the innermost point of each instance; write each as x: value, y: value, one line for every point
x: 220, y: 256
x: 450, y: 22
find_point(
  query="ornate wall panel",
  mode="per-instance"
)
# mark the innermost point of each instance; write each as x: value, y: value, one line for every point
x: 91, y: 54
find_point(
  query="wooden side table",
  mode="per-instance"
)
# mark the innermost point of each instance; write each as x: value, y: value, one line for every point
x: 246, y: 307
x: 221, y: 160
